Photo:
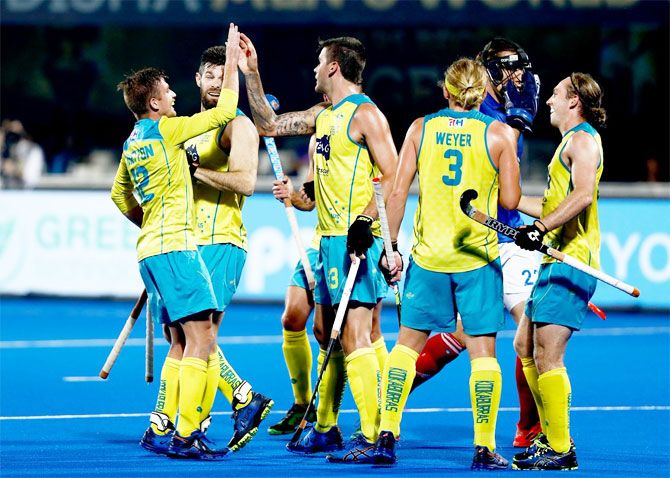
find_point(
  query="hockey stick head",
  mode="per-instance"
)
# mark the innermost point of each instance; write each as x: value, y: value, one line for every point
x: 468, y: 196
x: 272, y: 99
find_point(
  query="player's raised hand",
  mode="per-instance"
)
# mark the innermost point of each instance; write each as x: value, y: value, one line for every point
x: 248, y: 59
x: 233, y: 53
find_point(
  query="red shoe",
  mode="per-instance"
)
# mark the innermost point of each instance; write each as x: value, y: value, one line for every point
x: 524, y: 437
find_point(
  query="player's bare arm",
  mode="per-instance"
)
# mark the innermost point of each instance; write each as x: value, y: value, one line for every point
x: 370, y: 127
x: 502, y: 144
x: 531, y: 205
x: 582, y: 156
x: 266, y: 120
x: 122, y: 196
x: 241, y: 139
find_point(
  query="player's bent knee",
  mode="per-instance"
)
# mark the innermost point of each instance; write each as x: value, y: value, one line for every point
x: 294, y: 320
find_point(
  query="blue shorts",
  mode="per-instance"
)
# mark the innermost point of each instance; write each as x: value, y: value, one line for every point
x: 224, y: 263
x: 178, y: 285
x: 432, y: 299
x: 299, y: 278
x: 561, y: 296
x: 369, y: 286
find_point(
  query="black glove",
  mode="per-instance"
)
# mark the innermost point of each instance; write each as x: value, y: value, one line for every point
x: 521, y: 105
x: 308, y: 187
x: 193, y: 159
x: 385, y: 271
x: 529, y: 236
x: 359, y: 238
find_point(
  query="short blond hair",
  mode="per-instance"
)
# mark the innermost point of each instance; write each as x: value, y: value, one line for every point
x: 465, y: 80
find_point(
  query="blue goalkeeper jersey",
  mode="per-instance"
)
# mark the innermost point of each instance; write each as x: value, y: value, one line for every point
x: 492, y: 108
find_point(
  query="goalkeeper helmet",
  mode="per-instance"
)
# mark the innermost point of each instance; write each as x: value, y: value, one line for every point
x: 500, y: 68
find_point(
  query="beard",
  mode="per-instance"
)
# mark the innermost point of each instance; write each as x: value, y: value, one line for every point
x: 207, y: 102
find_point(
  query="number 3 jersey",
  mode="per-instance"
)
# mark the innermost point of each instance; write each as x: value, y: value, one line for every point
x: 154, y: 163
x: 452, y: 158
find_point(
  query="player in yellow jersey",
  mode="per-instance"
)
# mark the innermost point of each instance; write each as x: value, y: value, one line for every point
x: 224, y: 162
x: 299, y: 303
x: 455, y: 265
x: 353, y: 144
x: 180, y: 291
x: 568, y: 217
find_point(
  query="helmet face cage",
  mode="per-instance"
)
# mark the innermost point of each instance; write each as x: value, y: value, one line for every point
x: 501, y: 68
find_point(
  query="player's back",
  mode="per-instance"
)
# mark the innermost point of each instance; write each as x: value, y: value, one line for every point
x: 452, y: 158
x: 158, y: 171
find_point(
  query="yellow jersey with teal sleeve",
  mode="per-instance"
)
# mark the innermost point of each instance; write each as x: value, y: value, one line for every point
x: 218, y: 213
x: 579, y: 237
x: 154, y: 164
x: 453, y: 157
x: 343, y: 170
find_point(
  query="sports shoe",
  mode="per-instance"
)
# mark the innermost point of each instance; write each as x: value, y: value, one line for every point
x: 317, y: 442
x: 486, y: 459
x: 524, y: 437
x: 289, y: 423
x: 194, y: 447
x: 247, y: 419
x: 156, y: 443
x: 545, y: 458
x: 540, y: 441
x: 384, y: 452
x: 360, y: 453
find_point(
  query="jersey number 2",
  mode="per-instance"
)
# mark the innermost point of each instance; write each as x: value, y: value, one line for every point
x: 141, y: 178
x: 455, y: 159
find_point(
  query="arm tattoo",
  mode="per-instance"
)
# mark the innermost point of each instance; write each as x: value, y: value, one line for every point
x: 260, y: 109
x: 297, y: 123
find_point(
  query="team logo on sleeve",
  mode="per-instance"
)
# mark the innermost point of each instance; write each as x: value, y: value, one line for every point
x: 323, y: 146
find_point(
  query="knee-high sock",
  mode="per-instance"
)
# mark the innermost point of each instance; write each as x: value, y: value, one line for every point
x: 485, y: 388
x: 364, y: 381
x: 168, y: 392
x: 381, y: 352
x: 213, y: 375
x: 528, y: 416
x: 439, y: 350
x: 192, y: 382
x: 298, y: 357
x: 556, y: 396
x: 397, y: 380
x: 229, y: 381
x: 331, y: 390
x: 530, y: 371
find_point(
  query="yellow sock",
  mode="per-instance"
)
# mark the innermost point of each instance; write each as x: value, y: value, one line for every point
x: 530, y: 371
x: 229, y: 381
x: 556, y: 395
x: 397, y: 379
x: 364, y: 377
x: 213, y: 375
x: 298, y: 357
x: 331, y: 390
x: 381, y: 352
x: 168, y: 393
x: 192, y: 382
x: 485, y: 388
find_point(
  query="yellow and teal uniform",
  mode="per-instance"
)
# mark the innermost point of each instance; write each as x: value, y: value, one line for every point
x: 220, y: 232
x: 451, y: 252
x: 571, y: 289
x: 343, y: 172
x: 154, y: 164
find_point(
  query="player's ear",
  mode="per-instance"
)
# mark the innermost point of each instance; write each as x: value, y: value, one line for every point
x: 153, y: 103
x: 197, y: 78
x: 333, y: 66
x: 445, y: 93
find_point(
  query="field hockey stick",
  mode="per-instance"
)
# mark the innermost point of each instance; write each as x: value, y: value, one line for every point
x: 386, y: 236
x: 334, y: 335
x: 273, y: 154
x: 597, y: 310
x: 510, y: 232
x: 123, y: 336
x: 149, y: 350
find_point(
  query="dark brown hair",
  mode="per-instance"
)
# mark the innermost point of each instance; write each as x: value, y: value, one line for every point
x: 349, y: 53
x: 139, y: 87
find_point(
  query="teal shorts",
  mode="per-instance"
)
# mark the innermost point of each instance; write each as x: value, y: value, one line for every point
x: 369, y: 286
x: 432, y: 299
x: 178, y: 285
x: 561, y: 296
x: 299, y: 279
x: 224, y: 263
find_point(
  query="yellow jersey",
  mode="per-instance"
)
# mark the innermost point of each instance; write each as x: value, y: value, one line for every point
x: 453, y: 157
x: 218, y: 213
x: 579, y: 237
x: 154, y: 164
x: 343, y: 170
